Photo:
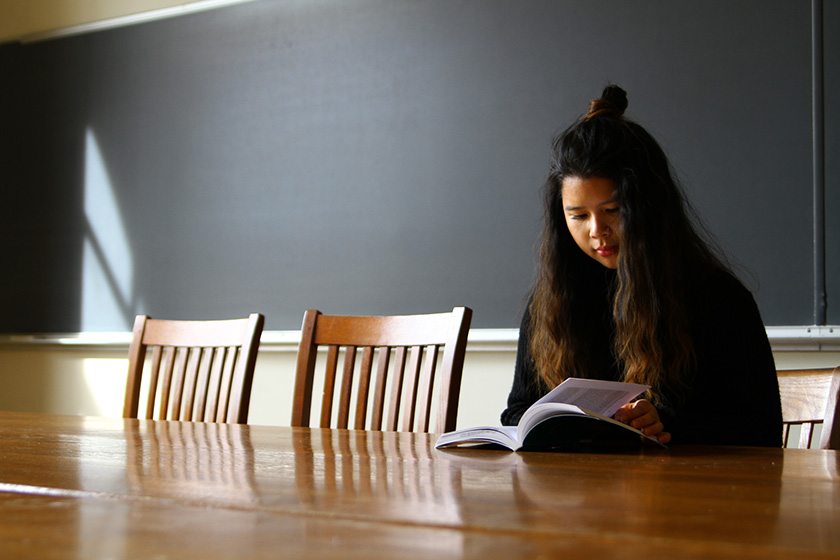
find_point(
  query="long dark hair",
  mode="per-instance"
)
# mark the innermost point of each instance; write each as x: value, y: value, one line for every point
x: 661, y: 254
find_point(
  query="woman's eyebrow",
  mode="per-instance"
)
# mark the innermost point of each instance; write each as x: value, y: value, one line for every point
x: 613, y: 200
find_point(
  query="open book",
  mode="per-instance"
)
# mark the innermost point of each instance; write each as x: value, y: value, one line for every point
x: 576, y: 413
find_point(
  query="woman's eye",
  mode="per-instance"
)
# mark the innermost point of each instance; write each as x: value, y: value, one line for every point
x: 577, y: 216
x: 613, y: 210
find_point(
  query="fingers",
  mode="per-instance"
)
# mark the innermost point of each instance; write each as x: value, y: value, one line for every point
x: 650, y: 429
x: 643, y: 416
x: 635, y: 411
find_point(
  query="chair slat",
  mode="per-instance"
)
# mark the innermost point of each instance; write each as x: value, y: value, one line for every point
x: 806, y: 434
x: 176, y: 389
x: 225, y: 383
x: 410, y: 389
x: 166, y: 380
x: 154, y: 373
x: 379, y: 388
x: 346, y: 386
x: 190, y: 375
x: 202, y: 380
x: 233, y: 388
x: 425, y: 391
x: 364, y: 387
x: 213, y: 384
x: 396, y: 389
x: 329, y: 386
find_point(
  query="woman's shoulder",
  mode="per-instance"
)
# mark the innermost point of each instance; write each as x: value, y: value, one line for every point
x: 719, y: 282
x: 720, y: 293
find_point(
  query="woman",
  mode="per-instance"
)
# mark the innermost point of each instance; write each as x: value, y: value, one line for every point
x: 628, y: 291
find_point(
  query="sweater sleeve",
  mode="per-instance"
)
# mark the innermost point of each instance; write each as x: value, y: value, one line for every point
x: 525, y: 389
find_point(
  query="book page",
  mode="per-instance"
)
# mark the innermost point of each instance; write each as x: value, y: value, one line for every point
x: 540, y: 411
x: 502, y: 435
x: 603, y: 397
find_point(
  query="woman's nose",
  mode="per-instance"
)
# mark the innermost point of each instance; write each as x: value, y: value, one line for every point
x: 598, y: 228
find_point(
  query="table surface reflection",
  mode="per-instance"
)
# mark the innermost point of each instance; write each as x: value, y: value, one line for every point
x: 84, y: 487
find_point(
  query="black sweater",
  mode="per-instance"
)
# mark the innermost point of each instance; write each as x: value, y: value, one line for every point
x: 732, y: 395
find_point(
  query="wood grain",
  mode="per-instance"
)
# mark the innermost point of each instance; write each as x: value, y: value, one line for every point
x: 87, y: 487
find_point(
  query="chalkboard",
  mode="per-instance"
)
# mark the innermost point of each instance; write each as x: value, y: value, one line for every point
x: 379, y: 156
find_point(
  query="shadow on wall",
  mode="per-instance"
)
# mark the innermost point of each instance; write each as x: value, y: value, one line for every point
x: 68, y: 261
x: 40, y: 226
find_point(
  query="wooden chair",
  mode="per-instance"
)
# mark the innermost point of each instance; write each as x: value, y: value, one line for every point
x: 809, y: 398
x: 397, y: 339
x: 198, y: 371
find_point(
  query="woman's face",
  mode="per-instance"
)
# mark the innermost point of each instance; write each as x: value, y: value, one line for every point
x: 593, y: 217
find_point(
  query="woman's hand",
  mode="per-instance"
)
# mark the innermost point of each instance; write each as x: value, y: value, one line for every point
x: 643, y: 416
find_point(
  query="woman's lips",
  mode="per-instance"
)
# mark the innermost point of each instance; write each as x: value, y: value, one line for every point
x: 607, y: 250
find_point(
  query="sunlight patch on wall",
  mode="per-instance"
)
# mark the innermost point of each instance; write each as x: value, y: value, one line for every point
x: 107, y: 267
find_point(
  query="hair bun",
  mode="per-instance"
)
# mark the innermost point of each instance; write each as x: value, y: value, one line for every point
x: 613, y: 102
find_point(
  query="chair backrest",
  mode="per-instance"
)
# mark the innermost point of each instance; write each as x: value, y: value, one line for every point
x: 809, y: 398
x: 198, y: 371
x: 407, y: 349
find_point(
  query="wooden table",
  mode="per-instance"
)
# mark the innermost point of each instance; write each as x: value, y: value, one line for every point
x: 81, y: 487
